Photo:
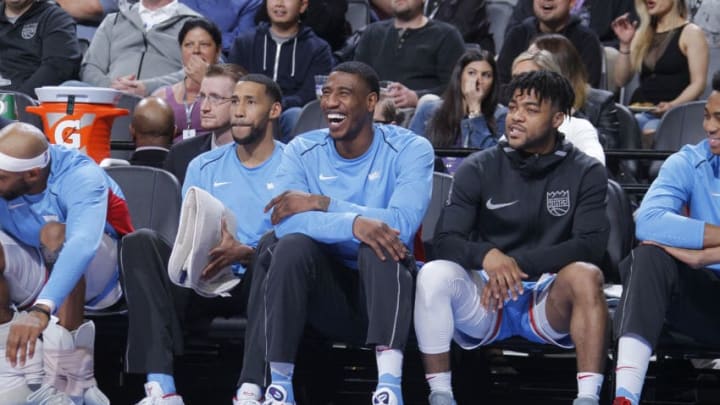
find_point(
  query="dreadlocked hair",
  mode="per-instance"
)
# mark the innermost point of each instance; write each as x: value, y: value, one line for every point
x: 545, y: 85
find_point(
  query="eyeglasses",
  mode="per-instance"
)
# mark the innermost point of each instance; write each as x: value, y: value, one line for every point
x: 213, y: 99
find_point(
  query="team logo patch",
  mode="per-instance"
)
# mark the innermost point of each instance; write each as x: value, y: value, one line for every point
x: 29, y: 30
x: 558, y: 202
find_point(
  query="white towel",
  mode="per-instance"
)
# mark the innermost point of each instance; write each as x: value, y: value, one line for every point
x: 199, y: 232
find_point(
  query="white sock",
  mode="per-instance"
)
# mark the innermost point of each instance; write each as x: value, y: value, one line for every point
x: 389, y: 361
x: 589, y: 385
x: 249, y: 391
x: 632, y: 363
x: 440, y: 381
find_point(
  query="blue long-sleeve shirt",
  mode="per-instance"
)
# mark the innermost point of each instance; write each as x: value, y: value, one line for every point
x: 390, y: 182
x: 243, y: 190
x: 80, y: 195
x: 687, y: 180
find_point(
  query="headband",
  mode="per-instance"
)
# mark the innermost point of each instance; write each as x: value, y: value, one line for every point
x: 13, y: 164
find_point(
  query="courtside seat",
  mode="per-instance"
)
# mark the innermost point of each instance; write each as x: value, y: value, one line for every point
x: 153, y: 198
x: 679, y: 126
x: 311, y: 118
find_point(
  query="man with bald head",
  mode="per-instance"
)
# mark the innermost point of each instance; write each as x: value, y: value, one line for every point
x: 152, y: 129
x: 61, y: 218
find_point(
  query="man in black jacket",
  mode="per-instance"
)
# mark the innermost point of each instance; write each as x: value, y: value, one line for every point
x: 596, y: 14
x: 152, y: 129
x: 39, y: 45
x: 532, y: 208
x: 551, y: 16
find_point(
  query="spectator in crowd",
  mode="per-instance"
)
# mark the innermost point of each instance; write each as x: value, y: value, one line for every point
x: 88, y: 14
x: 415, y: 53
x: 348, y: 202
x: 672, y: 277
x: 327, y: 20
x: 595, y: 14
x: 544, y: 221
x: 135, y: 49
x: 200, y: 42
x: 468, y: 16
x: 386, y: 113
x: 287, y: 51
x: 595, y: 105
x: 152, y: 129
x: 60, y: 215
x: 39, y: 45
x: 233, y: 17
x: 669, y: 53
x: 240, y: 175
x: 552, y: 16
x: 578, y: 131
x: 468, y: 115
x: 215, y: 95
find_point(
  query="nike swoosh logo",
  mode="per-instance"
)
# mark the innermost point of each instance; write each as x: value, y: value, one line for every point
x: 323, y: 178
x: 13, y: 206
x: 220, y: 183
x: 489, y: 204
x: 715, y: 194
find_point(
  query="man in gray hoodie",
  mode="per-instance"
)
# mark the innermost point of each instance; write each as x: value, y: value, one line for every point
x: 136, y: 49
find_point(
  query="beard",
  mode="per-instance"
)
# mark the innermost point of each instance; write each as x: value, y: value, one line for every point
x: 255, y: 135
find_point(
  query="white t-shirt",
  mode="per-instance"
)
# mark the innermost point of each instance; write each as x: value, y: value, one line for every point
x: 581, y: 133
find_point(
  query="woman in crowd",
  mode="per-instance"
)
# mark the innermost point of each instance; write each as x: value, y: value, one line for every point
x: 669, y: 52
x: 468, y: 114
x: 579, y: 131
x: 201, y: 45
x: 595, y: 105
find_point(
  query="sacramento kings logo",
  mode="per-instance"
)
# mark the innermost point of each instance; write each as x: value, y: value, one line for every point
x: 29, y: 30
x: 558, y: 202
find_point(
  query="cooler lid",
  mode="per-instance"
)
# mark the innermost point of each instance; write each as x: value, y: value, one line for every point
x: 89, y: 95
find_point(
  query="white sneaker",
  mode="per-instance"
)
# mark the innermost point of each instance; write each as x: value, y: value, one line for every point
x: 384, y: 396
x: 154, y: 395
x: 69, y: 363
x: 48, y: 395
x: 248, y: 394
x: 441, y: 398
x: 276, y: 395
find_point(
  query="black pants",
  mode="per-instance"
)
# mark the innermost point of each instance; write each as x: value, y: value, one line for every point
x: 659, y: 290
x: 160, y: 312
x: 297, y: 281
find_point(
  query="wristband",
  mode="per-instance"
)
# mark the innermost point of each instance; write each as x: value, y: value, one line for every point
x: 38, y: 308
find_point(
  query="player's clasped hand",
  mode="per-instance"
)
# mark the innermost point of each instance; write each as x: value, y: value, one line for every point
x: 380, y: 237
x: 227, y: 252
x: 293, y: 202
x: 23, y: 335
x: 505, y: 277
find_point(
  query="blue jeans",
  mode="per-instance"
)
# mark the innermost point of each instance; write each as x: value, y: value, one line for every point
x: 288, y: 119
x: 647, y: 121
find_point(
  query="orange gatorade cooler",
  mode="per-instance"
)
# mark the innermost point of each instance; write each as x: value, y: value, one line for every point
x: 79, y: 117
